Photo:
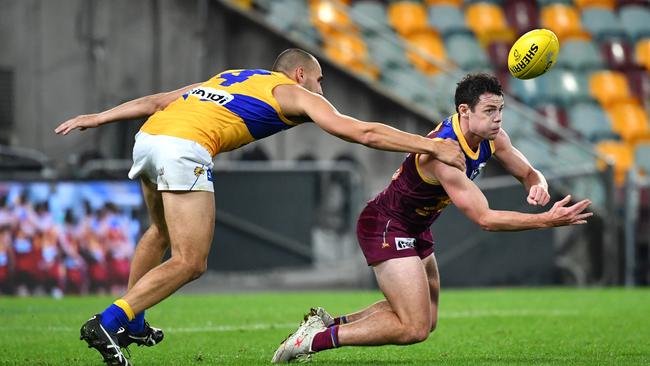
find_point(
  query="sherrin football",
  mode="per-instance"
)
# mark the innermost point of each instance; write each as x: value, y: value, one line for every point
x: 533, y: 54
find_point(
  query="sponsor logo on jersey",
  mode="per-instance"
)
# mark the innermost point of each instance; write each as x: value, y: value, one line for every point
x: 206, y: 94
x: 476, y: 171
x: 209, y: 172
x: 404, y: 243
x: 528, y: 57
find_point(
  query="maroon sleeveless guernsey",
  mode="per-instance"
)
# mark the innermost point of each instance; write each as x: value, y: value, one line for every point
x: 416, y: 201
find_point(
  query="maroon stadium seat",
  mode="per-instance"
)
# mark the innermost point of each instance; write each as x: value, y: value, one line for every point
x: 622, y: 3
x: 639, y: 81
x: 617, y: 53
x: 498, y: 53
x: 556, y: 115
x: 522, y: 15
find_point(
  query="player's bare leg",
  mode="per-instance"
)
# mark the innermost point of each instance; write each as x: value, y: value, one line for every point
x: 190, y: 224
x: 155, y: 241
x: 405, y: 284
x: 433, y: 278
x: 408, y: 315
x: 148, y: 254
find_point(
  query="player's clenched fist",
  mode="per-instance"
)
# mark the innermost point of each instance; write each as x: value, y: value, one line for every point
x: 538, y: 195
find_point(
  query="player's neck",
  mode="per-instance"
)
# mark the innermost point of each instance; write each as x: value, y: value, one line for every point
x: 473, y: 140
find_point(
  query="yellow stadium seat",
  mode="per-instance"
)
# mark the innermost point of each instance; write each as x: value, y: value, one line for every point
x: 350, y: 51
x: 629, y: 120
x: 608, y: 4
x: 407, y: 17
x: 563, y: 20
x: 485, y: 17
x: 456, y: 3
x: 609, y: 87
x: 429, y: 43
x: 623, y: 156
x: 642, y: 53
x: 244, y: 4
x: 329, y: 16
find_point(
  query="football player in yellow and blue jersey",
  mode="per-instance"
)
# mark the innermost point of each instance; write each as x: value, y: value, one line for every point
x: 394, y: 232
x: 173, y: 155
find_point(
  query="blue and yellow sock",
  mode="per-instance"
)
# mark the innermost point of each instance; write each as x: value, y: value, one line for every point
x: 119, y: 314
x: 136, y: 326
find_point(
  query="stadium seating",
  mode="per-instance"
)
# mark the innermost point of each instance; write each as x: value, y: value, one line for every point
x: 516, y: 125
x: 618, y: 53
x: 634, y: 19
x: 407, y: 17
x: 607, y: 4
x: 447, y: 19
x: 598, y: 89
x: 350, y: 50
x: 639, y: 82
x: 642, y: 53
x: 527, y: 91
x: 488, y: 22
x: 537, y: 151
x: 609, y: 87
x: 564, y: 87
x: 579, y: 54
x: 601, y: 22
x: 621, y: 154
x: 563, y: 20
x: 498, y: 53
x: 556, y: 120
x: 456, y: 3
x: 458, y: 44
x: 642, y: 156
x: 370, y: 15
x: 522, y: 15
x: 328, y: 16
x: 629, y: 120
x: 429, y: 43
x: 592, y: 122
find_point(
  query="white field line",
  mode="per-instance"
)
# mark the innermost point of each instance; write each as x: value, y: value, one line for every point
x: 268, y: 326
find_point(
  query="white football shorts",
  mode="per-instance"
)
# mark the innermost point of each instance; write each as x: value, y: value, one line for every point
x: 172, y: 163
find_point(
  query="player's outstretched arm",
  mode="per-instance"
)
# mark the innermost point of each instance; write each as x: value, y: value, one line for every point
x: 137, y: 108
x: 297, y: 101
x: 519, y: 167
x: 472, y: 202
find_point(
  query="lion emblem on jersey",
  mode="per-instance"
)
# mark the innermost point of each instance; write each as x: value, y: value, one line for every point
x: 198, y: 171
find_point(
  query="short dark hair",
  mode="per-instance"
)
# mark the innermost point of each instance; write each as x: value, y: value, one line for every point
x: 472, y: 86
x: 291, y: 58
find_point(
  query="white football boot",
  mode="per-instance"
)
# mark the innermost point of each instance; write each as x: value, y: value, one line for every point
x: 327, y: 319
x: 297, y: 347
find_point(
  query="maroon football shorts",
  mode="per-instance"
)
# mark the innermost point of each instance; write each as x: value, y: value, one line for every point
x: 382, y: 238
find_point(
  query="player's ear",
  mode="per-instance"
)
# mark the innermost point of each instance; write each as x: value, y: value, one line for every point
x: 463, y: 109
x: 300, y: 74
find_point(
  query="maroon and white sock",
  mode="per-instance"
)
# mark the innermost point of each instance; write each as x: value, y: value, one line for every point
x: 327, y: 339
x: 340, y: 320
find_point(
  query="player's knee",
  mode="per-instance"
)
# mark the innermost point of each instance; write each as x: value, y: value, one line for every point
x: 415, y: 334
x: 196, y: 269
x: 190, y: 268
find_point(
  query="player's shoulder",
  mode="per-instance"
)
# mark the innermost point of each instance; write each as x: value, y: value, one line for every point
x: 502, y: 141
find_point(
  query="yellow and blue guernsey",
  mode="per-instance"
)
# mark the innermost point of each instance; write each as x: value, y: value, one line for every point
x: 415, y: 201
x: 231, y: 109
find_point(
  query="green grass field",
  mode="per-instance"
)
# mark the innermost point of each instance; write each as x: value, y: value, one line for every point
x: 476, y: 327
